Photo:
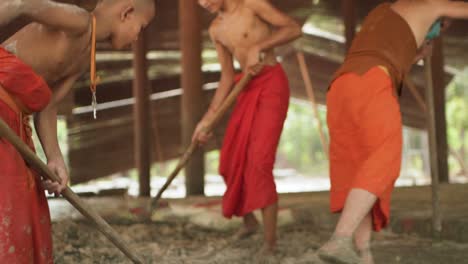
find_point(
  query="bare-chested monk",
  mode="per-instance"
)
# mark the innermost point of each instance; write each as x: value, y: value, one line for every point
x: 365, y: 121
x: 243, y: 30
x: 38, y: 67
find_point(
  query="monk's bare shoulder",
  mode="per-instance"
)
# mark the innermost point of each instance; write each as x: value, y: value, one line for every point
x: 13, y: 5
x: 213, y: 30
x: 256, y: 5
x: 71, y: 58
x: 10, y: 10
x: 252, y: 3
x: 69, y: 18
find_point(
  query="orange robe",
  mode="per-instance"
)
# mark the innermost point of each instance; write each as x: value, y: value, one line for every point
x: 250, y: 143
x: 365, y: 139
x: 25, y: 229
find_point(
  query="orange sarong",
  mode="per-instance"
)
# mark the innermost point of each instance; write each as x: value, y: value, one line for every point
x: 25, y: 230
x: 250, y: 143
x: 364, y: 120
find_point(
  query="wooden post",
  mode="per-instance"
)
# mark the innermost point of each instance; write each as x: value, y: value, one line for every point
x: 349, y: 19
x: 158, y: 148
x: 192, y: 97
x: 142, y: 125
x: 434, y: 158
x: 438, y: 80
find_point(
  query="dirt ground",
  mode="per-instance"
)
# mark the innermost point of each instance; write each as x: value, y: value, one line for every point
x: 181, y: 234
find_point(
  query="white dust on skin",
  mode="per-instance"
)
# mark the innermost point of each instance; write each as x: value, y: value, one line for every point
x: 11, y: 47
x: 11, y: 4
x: 9, y: 9
x: 51, y: 4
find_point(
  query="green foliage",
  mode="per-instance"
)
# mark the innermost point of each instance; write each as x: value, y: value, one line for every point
x: 457, y: 121
x: 62, y: 139
x: 300, y: 146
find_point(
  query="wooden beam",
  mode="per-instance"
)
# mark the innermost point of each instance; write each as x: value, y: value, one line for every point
x: 349, y: 19
x: 122, y: 88
x: 438, y: 82
x: 192, y: 97
x: 434, y: 158
x: 88, y: 137
x: 142, y: 127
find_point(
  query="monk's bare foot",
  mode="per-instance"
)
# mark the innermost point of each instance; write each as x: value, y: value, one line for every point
x: 267, y: 255
x: 366, y: 256
x: 339, y: 250
x: 246, y: 231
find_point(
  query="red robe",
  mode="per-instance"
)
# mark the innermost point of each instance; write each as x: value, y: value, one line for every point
x: 365, y: 127
x: 250, y: 143
x: 25, y: 229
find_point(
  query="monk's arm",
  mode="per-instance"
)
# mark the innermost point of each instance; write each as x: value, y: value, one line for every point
x: 454, y: 9
x: 46, y: 127
x: 65, y: 17
x: 286, y: 28
x: 9, y: 10
x: 224, y: 87
x: 227, y: 76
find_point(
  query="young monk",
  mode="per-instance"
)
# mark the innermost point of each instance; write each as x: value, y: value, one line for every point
x: 364, y: 119
x: 243, y: 30
x: 38, y: 69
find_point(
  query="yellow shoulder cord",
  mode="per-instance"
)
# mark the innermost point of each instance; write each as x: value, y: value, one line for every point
x: 94, y: 78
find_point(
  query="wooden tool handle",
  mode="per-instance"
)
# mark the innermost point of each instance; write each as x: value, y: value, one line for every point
x: 30, y: 157
x: 227, y: 103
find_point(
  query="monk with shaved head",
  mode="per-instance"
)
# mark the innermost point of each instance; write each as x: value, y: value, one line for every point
x: 365, y: 122
x: 38, y: 67
x: 248, y: 31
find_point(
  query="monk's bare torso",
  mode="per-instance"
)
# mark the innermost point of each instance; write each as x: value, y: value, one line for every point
x: 239, y: 31
x: 53, y: 54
